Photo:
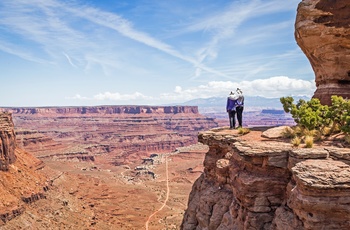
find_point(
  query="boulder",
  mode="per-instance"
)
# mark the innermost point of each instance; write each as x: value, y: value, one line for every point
x: 322, y: 31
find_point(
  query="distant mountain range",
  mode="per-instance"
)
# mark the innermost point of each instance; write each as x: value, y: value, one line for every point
x: 251, y: 103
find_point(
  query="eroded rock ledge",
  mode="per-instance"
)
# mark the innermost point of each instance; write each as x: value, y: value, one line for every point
x: 268, y: 184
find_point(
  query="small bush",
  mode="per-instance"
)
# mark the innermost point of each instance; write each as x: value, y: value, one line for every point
x: 307, y: 132
x: 309, y: 141
x: 298, y: 131
x: 326, y: 131
x: 296, y: 141
x: 243, y: 131
x: 308, y: 114
x: 318, y: 135
x: 288, y: 132
x: 312, y: 115
x: 335, y: 128
x: 347, y: 139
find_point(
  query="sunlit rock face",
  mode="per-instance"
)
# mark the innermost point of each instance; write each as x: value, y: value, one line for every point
x: 322, y: 30
x: 268, y: 184
x: 82, y: 133
x: 7, y: 141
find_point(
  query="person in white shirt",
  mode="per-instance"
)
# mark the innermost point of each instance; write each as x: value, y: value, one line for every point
x: 239, y: 106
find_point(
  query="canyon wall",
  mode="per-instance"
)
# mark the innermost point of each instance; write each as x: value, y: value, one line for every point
x: 20, y: 184
x: 119, y: 133
x: 322, y: 30
x: 268, y: 184
x: 7, y: 141
x: 103, y: 110
x: 34, y: 196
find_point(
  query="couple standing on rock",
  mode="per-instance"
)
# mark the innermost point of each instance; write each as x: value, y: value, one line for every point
x: 234, y: 105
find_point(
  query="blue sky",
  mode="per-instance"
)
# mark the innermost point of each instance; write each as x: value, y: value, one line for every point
x: 75, y: 52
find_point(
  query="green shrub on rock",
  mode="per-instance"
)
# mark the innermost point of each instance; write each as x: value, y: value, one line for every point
x: 312, y: 116
x: 340, y: 113
x: 308, y: 114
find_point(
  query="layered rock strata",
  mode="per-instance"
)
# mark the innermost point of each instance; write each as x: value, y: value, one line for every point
x: 268, y: 184
x: 32, y: 196
x: 322, y: 30
x: 81, y: 133
x: 104, y: 110
x: 20, y: 184
x: 7, y: 141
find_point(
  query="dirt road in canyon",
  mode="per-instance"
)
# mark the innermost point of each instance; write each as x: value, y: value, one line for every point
x: 167, y: 193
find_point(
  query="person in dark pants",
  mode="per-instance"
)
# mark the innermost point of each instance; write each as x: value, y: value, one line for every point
x: 239, y: 106
x: 231, y: 109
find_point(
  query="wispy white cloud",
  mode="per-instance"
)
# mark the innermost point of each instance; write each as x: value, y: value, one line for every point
x: 50, y: 24
x: 44, y: 29
x: 69, y: 60
x: 223, y: 26
x: 22, y: 53
x: 126, y: 28
x: 259, y: 33
x: 220, y: 49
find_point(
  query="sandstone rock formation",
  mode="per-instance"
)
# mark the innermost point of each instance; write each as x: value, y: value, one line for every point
x: 268, y: 184
x: 7, y: 141
x: 18, y: 185
x: 322, y: 30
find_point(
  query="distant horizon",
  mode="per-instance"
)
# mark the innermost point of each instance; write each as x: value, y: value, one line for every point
x: 69, y: 53
x: 158, y: 105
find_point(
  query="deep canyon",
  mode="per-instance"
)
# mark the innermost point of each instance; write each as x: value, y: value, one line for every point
x: 99, y: 167
x: 140, y: 167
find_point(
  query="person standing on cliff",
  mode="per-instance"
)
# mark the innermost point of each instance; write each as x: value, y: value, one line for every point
x: 231, y: 109
x: 239, y: 106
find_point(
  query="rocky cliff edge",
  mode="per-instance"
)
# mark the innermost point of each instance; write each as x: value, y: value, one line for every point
x: 20, y: 184
x: 268, y: 184
x: 7, y: 141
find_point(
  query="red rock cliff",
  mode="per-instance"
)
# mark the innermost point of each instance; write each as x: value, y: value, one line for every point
x: 268, y: 184
x: 7, y: 141
x: 20, y: 183
x: 322, y: 30
x: 33, y: 196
